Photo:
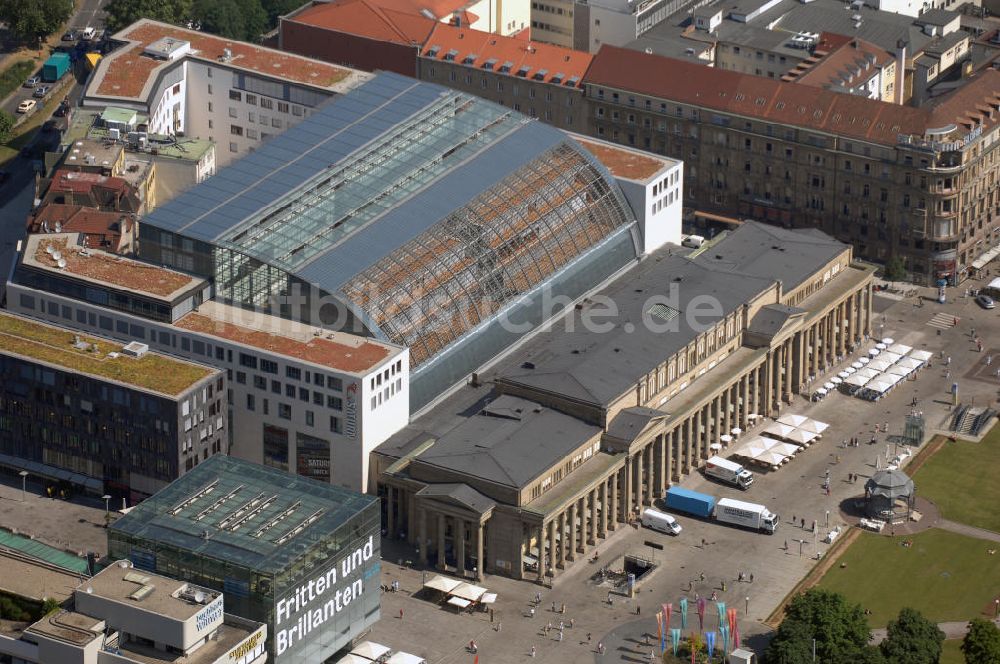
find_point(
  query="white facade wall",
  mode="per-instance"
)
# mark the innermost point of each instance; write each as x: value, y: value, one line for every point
x: 658, y: 206
x: 348, y: 453
x: 610, y: 26
x: 502, y: 17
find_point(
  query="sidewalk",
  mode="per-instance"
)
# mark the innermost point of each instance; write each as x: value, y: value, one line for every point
x: 952, y: 630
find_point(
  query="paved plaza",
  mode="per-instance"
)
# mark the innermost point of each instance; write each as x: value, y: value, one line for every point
x: 441, y: 635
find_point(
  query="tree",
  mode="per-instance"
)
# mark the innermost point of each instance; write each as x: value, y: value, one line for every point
x: 276, y: 8
x: 33, y: 21
x: 912, y: 639
x: 839, y: 628
x: 895, y: 269
x: 123, y: 13
x: 6, y: 125
x: 982, y: 643
x: 236, y: 19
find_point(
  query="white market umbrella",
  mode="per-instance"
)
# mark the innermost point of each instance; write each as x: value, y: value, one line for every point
x: 892, y: 357
x: 879, y: 365
x: 857, y: 365
x: 850, y: 369
x: 468, y: 591
x: 787, y: 449
x: 793, y: 420
x: 874, y: 351
x: 726, y: 438
x: 353, y: 659
x: 888, y: 341
x: 405, y: 658
x: 837, y: 380
x: 843, y: 375
x: 771, y: 458
x: 909, y: 362
x: 829, y: 386
x: 715, y: 447
x: 779, y: 430
x: 867, y: 373
x: 864, y: 360
x: 736, y: 431
x: 442, y: 583
x: 370, y: 649
x: 857, y: 380
x: 822, y: 390
x: 900, y: 370
x: 881, y: 346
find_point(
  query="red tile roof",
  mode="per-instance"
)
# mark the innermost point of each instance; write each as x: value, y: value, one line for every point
x: 126, y: 72
x: 630, y: 164
x: 971, y: 104
x: 374, y: 19
x: 754, y: 96
x: 543, y: 61
x: 97, y: 225
x: 838, y: 63
x: 65, y: 179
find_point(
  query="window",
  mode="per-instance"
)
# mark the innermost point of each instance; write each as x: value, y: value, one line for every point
x: 309, y: 418
x: 241, y: 377
x: 236, y: 130
x: 282, y: 107
x: 260, y: 382
x: 335, y: 425
x: 232, y: 112
x: 252, y: 133
x: 336, y: 403
x: 290, y: 390
x: 269, y: 366
x: 210, y: 105
x: 284, y: 411
x: 276, y: 122
x: 293, y: 372
x: 251, y: 402
x: 266, y: 103
x: 236, y: 95
x: 233, y: 147
x: 303, y: 394
x: 251, y: 99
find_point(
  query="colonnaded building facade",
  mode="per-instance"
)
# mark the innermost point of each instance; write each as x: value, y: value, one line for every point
x: 532, y: 463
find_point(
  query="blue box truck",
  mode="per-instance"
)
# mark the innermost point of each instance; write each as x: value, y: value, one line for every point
x: 55, y: 67
x: 690, y: 502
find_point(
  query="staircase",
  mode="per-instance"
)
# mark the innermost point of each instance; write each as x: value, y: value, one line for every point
x: 971, y: 421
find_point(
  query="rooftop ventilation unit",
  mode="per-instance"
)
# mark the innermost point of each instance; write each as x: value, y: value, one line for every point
x: 136, y: 349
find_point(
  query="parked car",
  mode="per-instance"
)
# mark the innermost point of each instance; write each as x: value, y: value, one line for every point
x: 26, y: 105
x: 41, y: 91
x: 985, y: 301
x: 70, y: 35
x: 88, y: 33
x: 32, y: 81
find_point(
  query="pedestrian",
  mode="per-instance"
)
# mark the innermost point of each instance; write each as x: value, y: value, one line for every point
x: 600, y: 647
x: 562, y: 608
x: 638, y: 609
x: 532, y: 651
x: 802, y: 522
x: 562, y: 625
x: 538, y: 598
x: 560, y: 636
x: 588, y: 637
x: 400, y: 614
x: 548, y: 626
x: 989, y: 360
x: 572, y: 621
x: 499, y: 627
x: 723, y: 585
x: 609, y: 598
x: 751, y: 577
x: 701, y: 575
x: 947, y: 362
x: 532, y: 610
x: 491, y: 615
x: 553, y: 607
x: 947, y: 376
x: 794, y: 519
x: 786, y: 545
x: 828, y: 489
x: 827, y: 473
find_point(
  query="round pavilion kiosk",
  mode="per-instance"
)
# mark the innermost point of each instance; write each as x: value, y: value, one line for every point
x: 889, y: 496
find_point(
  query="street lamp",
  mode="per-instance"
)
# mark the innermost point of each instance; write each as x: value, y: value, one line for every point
x: 746, y: 611
x: 24, y: 486
x: 107, y: 509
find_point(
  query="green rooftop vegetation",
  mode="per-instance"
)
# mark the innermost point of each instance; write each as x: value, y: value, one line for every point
x: 56, y: 346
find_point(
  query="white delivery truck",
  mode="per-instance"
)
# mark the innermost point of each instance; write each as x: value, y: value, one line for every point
x: 729, y: 472
x: 747, y: 515
x: 693, y: 241
x: 657, y: 520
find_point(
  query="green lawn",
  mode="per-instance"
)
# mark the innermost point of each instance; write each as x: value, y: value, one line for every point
x: 943, y: 575
x: 961, y: 480
x: 952, y: 653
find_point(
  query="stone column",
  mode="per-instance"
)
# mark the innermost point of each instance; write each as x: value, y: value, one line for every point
x: 423, y: 536
x: 542, y: 560
x: 459, y: 538
x: 441, y: 530
x: 688, y: 439
x: 611, y: 506
x: 571, y: 551
x: 553, y: 553
x: 390, y: 521
x: 768, y: 394
x: 670, y: 441
x: 652, y: 472
x: 716, y: 424
x: 563, y: 547
x: 663, y: 465
x: 480, y: 563
x: 779, y: 369
x: 603, y: 528
x: 592, y: 496
x: 626, y: 507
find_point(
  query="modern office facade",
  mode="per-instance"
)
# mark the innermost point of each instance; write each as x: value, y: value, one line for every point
x: 915, y: 184
x: 124, y: 616
x: 187, y: 83
x: 526, y: 470
x: 298, y: 555
x: 84, y: 413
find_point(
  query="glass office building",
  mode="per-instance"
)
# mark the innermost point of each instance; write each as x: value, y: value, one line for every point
x: 293, y: 552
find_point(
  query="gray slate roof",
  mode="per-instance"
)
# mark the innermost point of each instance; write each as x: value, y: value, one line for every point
x: 786, y: 255
x: 511, y: 448
x: 630, y: 422
x: 770, y: 319
x: 459, y: 494
x: 890, y: 484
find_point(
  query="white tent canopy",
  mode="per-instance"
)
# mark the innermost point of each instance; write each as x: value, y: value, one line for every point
x: 793, y: 420
x: 829, y: 386
x: 888, y: 355
x: 778, y: 430
x: 771, y: 458
x: 921, y: 355
x: 802, y: 436
x: 370, y: 649
x: 468, y: 591
x: 909, y: 362
x: 892, y: 379
x: 857, y: 380
x: 879, y: 364
x: 405, y: 658
x: 442, y: 583
x: 787, y: 449
x: 353, y: 659
x: 901, y: 349
x: 878, y: 385
x: 900, y: 370
x: 459, y: 602
x: 867, y: 373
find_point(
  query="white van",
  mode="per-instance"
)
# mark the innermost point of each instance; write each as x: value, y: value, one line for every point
x: 657, y: 520
x: 693, y: 241
x: 87, y: 33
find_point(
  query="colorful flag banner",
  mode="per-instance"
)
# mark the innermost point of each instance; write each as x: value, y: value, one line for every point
x: 724, y: 633
x: 710, y: 643
x: 684, y: 612
x: 721, y: 608
x: 675, y: 639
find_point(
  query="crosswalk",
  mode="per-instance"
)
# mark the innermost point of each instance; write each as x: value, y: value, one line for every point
x: 942, y: 321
